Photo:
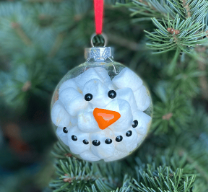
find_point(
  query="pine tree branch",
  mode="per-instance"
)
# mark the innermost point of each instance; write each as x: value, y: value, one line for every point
x: 26, y: 86
x: 18, y: 29
x: 202, y: 65
x: 131, y: 45
x: 189, y: 34
x: 203, y: 80
x: 167, y: 116
x: 201, y: 170
x: 187, y: 8
x: 57, y: 44
x: 69, y: 179
x: 162, y: 178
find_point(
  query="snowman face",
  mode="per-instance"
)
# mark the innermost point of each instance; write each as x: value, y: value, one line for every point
x: 102, y: 118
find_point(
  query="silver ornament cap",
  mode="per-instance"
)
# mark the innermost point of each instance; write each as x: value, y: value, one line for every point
x: 99, y: 53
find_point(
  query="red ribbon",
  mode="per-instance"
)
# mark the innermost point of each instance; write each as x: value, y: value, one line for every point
x: 98, y: 8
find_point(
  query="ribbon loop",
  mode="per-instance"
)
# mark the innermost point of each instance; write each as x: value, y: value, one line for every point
x: 98, y: 9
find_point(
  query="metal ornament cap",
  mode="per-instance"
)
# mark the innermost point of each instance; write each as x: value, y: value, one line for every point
x: 98, y: 53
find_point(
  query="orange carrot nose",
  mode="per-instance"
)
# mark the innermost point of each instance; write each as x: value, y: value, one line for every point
x: 105, y: 117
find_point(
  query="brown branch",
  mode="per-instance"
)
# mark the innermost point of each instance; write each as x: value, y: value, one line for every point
x: 206, y: 33
x: 186, y: 6
x: 60, y: 38
x: 68, y: 155
x: 167, y: 116
x: 57, y: 44
x: 145, y: 3
x: 86, y: 178
x: 124, y: 42
x: 203, y: 79
x: 18, y: 29
x: 175, y: 38
x: 26, y: 86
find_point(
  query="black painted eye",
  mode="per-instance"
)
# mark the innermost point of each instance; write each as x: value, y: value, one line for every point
x: 65, y: 130
x: 119, y: 138
x: 135, y: 123
x: 96, y: 142
x: 112, y: 94
x: 85, y: 141
x: 108, y: 141
x: 129, y: 133
x: 88, y: 97
x: 74, y: 138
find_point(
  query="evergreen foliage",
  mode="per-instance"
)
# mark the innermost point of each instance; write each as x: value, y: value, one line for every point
x: 164, y: 41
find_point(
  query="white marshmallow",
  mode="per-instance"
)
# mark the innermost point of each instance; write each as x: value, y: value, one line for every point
x: 72, y: 100
x: 105, y: 77
x: 89, y: 156
x: 111, y: 86
x: 127, y: 78
x: 59, y: 115
x: 63, y: 136
x: 78, y: 146
x: 73, y: 121
x: 124, y: 109
x: 87, y: 76
x: 127, y: 95
x: 127, y: 144
x: 99, y: 92
x: 103, y: 73
x: 143, y: 122
x: 87, y: 122
x: 142, y: 98
x: 113, y: 105
x: 103, y: 150
x: 117, y: 155
x: 75, y: 113
x: 68, y: 84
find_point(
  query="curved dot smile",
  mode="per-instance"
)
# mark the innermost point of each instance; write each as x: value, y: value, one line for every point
x: 65, y: 130
x: 74, y: 138
x: 119, y: 138
x: 135, y: 123
x: 108, y: 141
x: 85, y: 142
x: 129, y: 133
x: 96, y: 142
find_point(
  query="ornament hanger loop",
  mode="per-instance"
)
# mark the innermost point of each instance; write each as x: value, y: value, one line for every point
x: 104, y: 37
x: 98, y: 9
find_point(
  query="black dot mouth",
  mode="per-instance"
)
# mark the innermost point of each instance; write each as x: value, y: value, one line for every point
x: 108, y: 141
x: 129, y: 133
x: 65, y: 130
x: 85, y: 141
x: 74, y: 138
x: 119, y: 138
x: 96, y: 142
x: 135, y: 124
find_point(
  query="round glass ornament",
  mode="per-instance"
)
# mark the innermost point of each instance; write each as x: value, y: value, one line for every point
x: 101, y: 109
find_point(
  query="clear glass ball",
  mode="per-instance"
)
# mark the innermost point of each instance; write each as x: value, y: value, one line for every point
x: 101, y: 111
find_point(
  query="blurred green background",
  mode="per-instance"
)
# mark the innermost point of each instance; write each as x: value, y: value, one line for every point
x: 41, y: 40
